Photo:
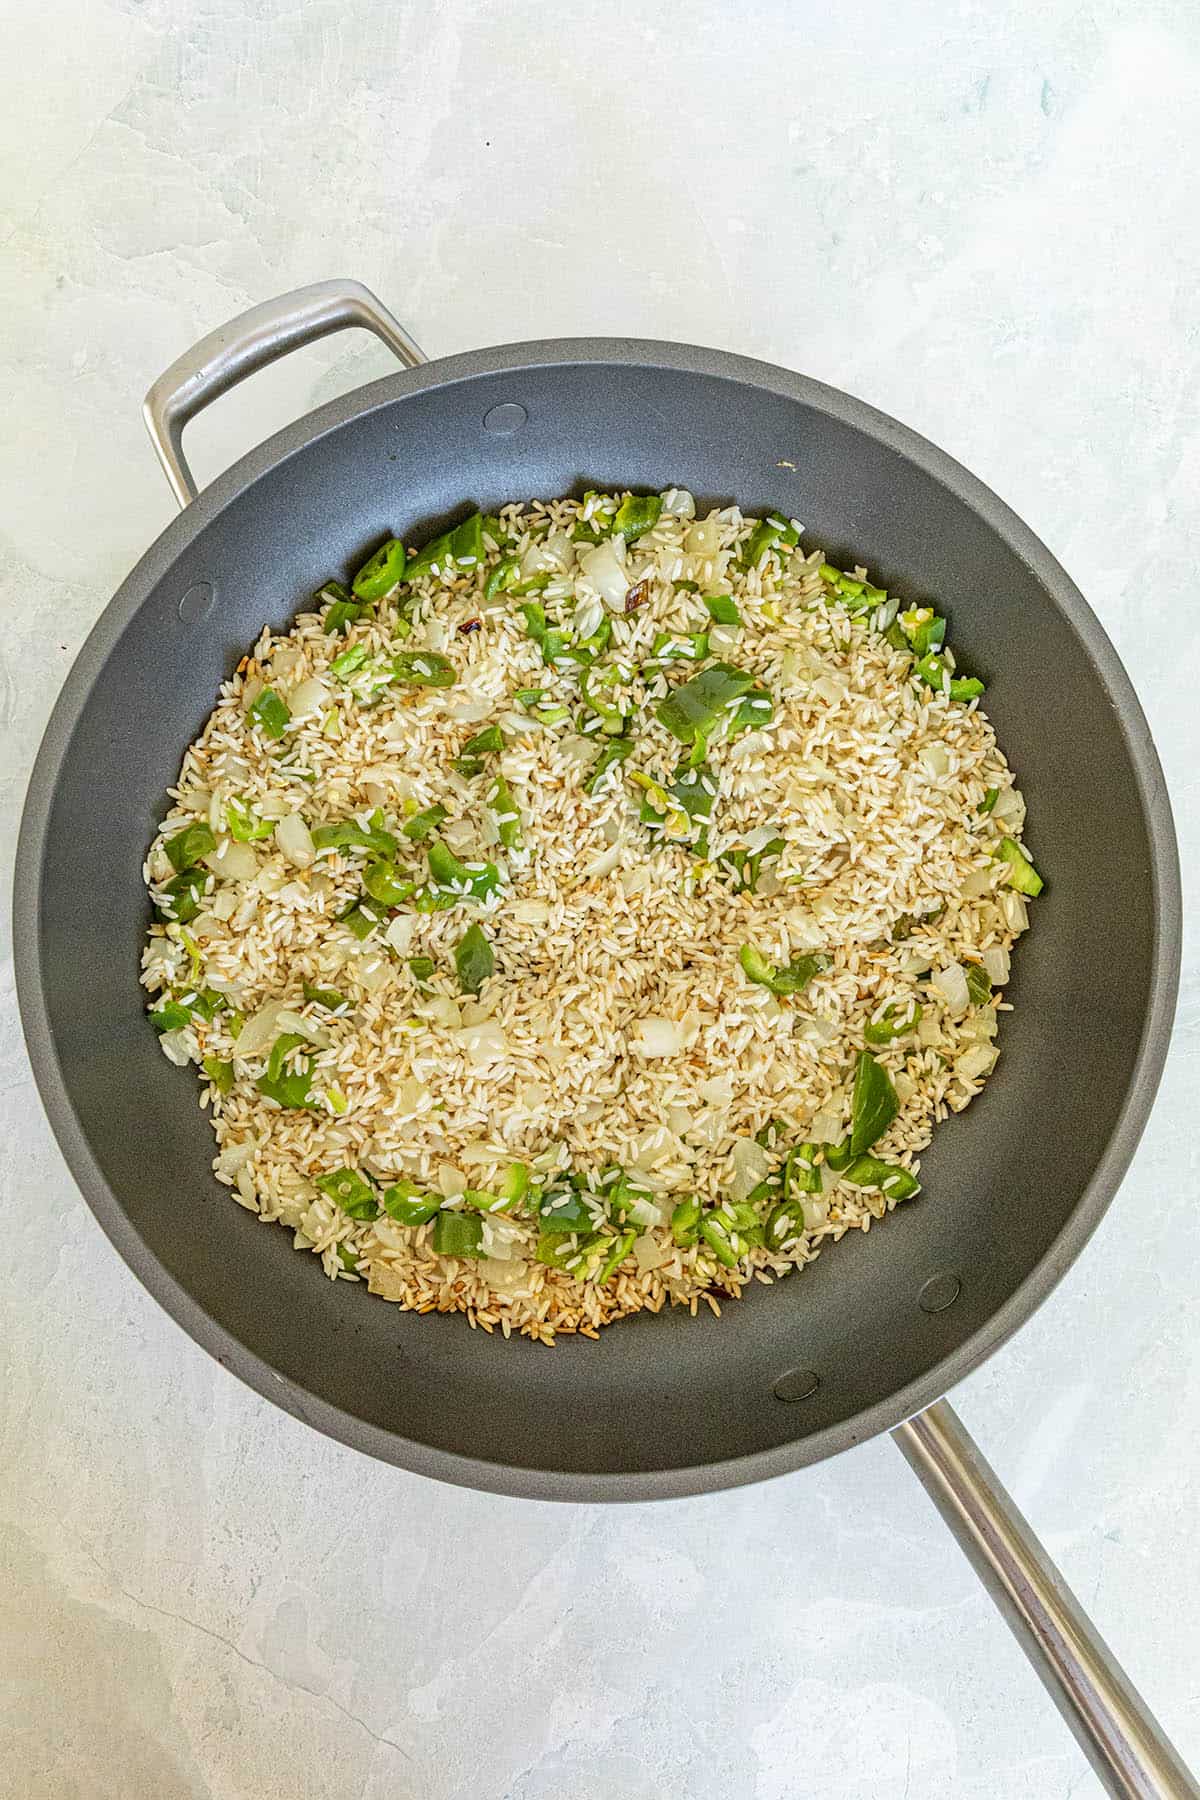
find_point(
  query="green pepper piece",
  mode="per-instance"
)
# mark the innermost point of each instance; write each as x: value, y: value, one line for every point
x: 341, y: 611
x: 723, y: 609
x: 988, y: 802
x: 867, y: 1171
x: 271, y: 713
x: 720, y: 1232
x: 422, y: 967
x: 353, y: 1194
x: 348, y: 834
x: 183, y: 897
x: 562, y: 1209
x: 614, y: 752
x: 691, y: 647
x: 423, y: 668
x: 1021, y: 873
x: 457, y: 1234
x: 288, y: 1090
x: 874, y: 1104
x: 245, y: 826
x: 190, y: 846
x: 323, y: 996
x: 895, y: 1021
x: 466, y: 542
x: 636, y: 515
x: 934, y: 672
x: 591, y: 681
x: 385, y: 883
x: 170, y: 1016
x: 407, y: 1205
x: 359, y: 919
x: 381, y: 572
x: 785, y: 1223
x: 473, y: 959
x: 622, y: 1247
x: 685, y: 1221
x: 502, y: 577
x: 838, y: 1156
x: 792, y: 980
x: 422, y: 824
x: 696, y: 707
x: 485, y: 743
x: 219, y: 1072
x: 747, y: 866
x: 349, y: 1258
x: 800, y: 1172
x: 504, y: 810
x: 979, y: 985
x: 465, y: 881
x: 771, y: 533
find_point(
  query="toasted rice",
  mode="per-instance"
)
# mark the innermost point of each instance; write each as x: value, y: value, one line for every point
x: 875, y: 785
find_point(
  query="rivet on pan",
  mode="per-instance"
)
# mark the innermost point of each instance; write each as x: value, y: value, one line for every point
x: 504, y: 419
x: 939, y: 1292
x: 797, y: 1384
x: 197, y: 603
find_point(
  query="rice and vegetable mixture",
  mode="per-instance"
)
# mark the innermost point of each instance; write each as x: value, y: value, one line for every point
x: 596, y: 908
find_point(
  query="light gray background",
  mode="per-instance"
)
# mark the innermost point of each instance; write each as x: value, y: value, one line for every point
x: 982, y: 219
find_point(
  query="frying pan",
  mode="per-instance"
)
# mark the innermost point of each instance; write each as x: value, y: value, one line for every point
x: 875, y: 1331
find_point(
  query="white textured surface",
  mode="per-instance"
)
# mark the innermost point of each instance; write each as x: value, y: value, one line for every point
x: 984, y: 223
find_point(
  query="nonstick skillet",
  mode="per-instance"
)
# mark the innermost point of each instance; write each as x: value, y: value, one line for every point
x: 875, y: 1332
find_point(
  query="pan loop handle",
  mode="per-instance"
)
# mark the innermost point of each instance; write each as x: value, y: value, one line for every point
x: 249, y: 343
x: 1120, y: 1736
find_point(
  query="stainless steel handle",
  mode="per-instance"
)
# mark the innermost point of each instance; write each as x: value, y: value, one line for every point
x: 247, y: 344
x: 1119, y: 1735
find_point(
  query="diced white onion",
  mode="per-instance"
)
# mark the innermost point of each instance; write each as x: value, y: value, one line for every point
x: 677, y: 503
x: 605, y: 863
x: 825, y: 1127
x: 261, y: 1029
x: 231, y: 1158
x: 998, y: 964
x: 231, y: 861
x: 935, y: 759
x: 288, y: 1020
x: 175, y: 1047
x: 704, y: 536
x: 484, y: 1043
x: 716, y: 1091
x: 399, y: 934
x: 451, y: 1181
x: 815, y: 1208
x: 951, y: 984
x: 295, y: 840
x: 635, y: 880
x: 440, y: 1009
x: 308, y: 697
x: 977, y: 883
x: 1016, y: 913
x: 751, y: 1164
x: 1010, y: 808
x: 656, y: 1037
x: 605, y: 570
x: 974, y: 1064
x: 649, y: 1253
x: 588, y: 615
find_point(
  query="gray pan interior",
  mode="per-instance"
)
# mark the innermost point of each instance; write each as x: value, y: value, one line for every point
x: 665, y: 1405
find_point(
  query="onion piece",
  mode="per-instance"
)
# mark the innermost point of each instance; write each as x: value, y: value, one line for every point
x: 231, y: 861
x: 604, y: 568
x: 656, y: 1037
x: 677, y: 503
x: 295, y: 841
x: 951, y: 984
x: 998, y: 964
x: 751, y: 1164
x: 261, y: 1029
x: 308, y: 697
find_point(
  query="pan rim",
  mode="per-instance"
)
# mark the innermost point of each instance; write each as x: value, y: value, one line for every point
x: 634, y: 1485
